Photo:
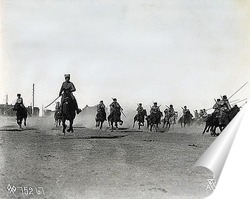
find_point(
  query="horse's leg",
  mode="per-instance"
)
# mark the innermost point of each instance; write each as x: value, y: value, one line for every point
x: 101, y: 124
x: 20, y: 122
x: 134, y: 124
x: 205, y: 129
x: 64, y: 125
x: 112, y: 127
x: 24, y: 119
x: 169, y: 124
x: 70, y: 126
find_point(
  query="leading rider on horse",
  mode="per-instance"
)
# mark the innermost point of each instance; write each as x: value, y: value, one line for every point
x: 68, y: 86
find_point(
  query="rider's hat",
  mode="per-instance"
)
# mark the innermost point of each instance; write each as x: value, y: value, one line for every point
x: 140, y: 104
x: 155, y: 103
x: 18, y: 94
x: 114, y: 99
x: 101, y: 101
x: 67, y: 75
x: 171, y: 105
x: 185, y: 106
x: 224, y: 97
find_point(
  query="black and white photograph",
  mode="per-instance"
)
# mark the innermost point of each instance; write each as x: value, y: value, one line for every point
x: 118, y: 99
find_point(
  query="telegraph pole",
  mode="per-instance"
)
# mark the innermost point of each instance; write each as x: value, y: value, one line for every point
x: 7, y: 99
x: 33, y: 98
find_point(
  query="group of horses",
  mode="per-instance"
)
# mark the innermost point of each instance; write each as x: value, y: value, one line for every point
x: 214, y: 120
x: 153, y: 120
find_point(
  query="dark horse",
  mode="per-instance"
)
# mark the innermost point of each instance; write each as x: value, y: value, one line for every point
x: 21, y: 114
x: 68, y: 112
x: 114, y: 118
x: 153, y: 120
x: 100, y: 118
x: 58, y: 117
x: 212, y: 121
x: 140, y: 118
x: 186, y: 119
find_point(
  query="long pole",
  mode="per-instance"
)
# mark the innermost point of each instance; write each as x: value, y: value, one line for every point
x: 238, y: 90
x: 33, y: 98
x: 239, y: 101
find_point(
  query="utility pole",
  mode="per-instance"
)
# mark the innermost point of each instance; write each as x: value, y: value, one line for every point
x: 33, y: 98
x: 7, y: 99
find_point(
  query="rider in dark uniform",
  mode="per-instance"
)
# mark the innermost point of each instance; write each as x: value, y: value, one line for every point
x: 139, y: 112
x: 69, y: 86
x: 156, y: 110
x: 101, y: 109
x: 115, y: 106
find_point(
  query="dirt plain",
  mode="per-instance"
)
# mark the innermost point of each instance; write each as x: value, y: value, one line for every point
x: 93, y: 163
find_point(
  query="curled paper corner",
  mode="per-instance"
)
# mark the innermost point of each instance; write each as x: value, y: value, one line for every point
x: 234, y: 180
x: 215, y: 156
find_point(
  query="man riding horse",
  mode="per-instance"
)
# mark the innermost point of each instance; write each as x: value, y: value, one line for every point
x: 101, y: 114
x: 68, y: 103
x: 68, y: 86
x: 115, y: 113
x: 57, y: 115
x: 21, y: 111
x: 169, y: 116
x: 154, y: 119
x: 140, y: 116
x: 186, y: 117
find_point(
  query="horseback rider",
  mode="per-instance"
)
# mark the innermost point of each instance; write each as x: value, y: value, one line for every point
x: 201, y: 114
x: 139, y: 108
x: 155, y: 109
x: 217, y: 107
x: 57, y: 106
x: 185, y: 110
x: 19, y: 100
x: 225, y: 108
x: 101, y: 109
x: 68, y: 86
x: 205, y: 113
x: 196, y: 115
x: 225, y: 102
x: 171, y: 111
x: 115, y: 106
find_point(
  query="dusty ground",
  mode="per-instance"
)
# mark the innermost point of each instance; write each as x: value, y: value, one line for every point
x: 95, y: 163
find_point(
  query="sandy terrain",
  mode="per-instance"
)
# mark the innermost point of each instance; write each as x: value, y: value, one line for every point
x: 92, y: 163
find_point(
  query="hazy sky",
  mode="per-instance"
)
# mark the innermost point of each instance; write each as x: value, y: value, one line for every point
x: 170, y: 51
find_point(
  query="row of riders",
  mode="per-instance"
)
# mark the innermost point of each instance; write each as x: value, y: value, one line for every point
x: 68, y: 108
